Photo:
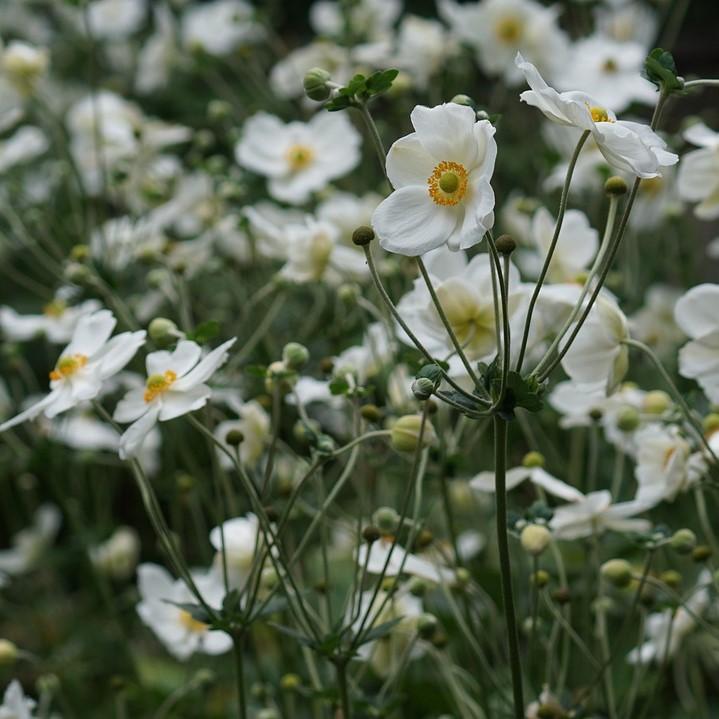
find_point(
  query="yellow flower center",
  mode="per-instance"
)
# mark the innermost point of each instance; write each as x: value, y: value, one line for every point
x: 67, y: 366
x: 448, y: 183
x: 610, y: 66
x: 191, y: 624
x: 509, y: 29
x: 599, y: 114
x: 471, y: 322
x: 651, y: 186
x: 299, y: 157
x: 157, y: 384
x: 56, y: 308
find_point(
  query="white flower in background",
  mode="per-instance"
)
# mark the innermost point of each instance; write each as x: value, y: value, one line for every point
x: 175, y: 386
x: 56, y: 323
x: 23, y: 65
x: 267, y: 223
x: 121, y: 241
x: 698, y: 179
x: 400, y: 562
x: 91, y: 358
x: 385, y: 654
x: 30, y: 544
x: 662, y: 469
x: 219, y: 27
x: 656, y: 201
x: 576, y: 246
x: 314, y: 253
x: 299, y: 158
x: 597, y: 355
x: 575, y: 403
x: 515, y: 217
x: 441, y: 175
x: 498, y: 29
x: 368, y: 19
x: 627, y: 21
x: 26, y: 144
x: 465, y: 292
x: 15, y: 704
x: 696, y: 314
x: 158, y: 53
x: 11, y: 104
x: 366, y: 360
x: 117, y: 556
x: 595, y: 514
x: 666, y: 630
x: 591, y: 168
x: 241, y: 536
x: 485, y: 482
x: 347, y: 212
x: 181, y: 634
x: 628, y: 146
x: 654, y: 323
x: 611, y: 69
x: 115, y: 19
x: 423, y: 46
x: 254, y: 423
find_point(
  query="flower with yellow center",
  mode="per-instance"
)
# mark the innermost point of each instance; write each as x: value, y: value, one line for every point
x: 299, y: 157
x: 56, y: 308
x: 509, y: 29
x: 158, y: 384
x: 192, y: 624
x: 68, y: 365
x: 441, y: 176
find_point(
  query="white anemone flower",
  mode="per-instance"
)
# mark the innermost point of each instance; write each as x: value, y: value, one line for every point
x: 24, y: 145
x: 598, y: 353
x: 595, y: 514
x: 254, y: 423
x: 381, y: 556
x: 240, y: 542
x: 369, y: 19
x: 654, y: 322
x: 612, y: 69
x: 662, y: 469
x: 115, y: 19
x: 181, y: 634
x: 441, y: 175
x: 117, y: 556
x: 627, y: 21
x: 299, y: 158
x: 695, y: 313
x: 347, y: 212
x: 498, y: 29
x: 157, y: 55
x: 538, y: 476
x: 91, y: 358
x: 219, y: 27
x: 15, y: 704
x: 30, y: 544
x: 175, y: 386
x: 698, y: 179
x: 56, y: 323
x: 628, y: 146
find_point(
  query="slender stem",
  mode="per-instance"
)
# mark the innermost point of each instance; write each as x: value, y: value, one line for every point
x: 376, y: 139
x: 500, y: 470
x: 239, y: 675
x: 552, y: 247
x: 503, y: 283
x: 704, y: 82
x: 344, y: 693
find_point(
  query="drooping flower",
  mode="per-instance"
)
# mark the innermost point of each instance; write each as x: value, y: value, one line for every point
x: 89, y: 359
x: 441, y: 175
x: 485, y: 482
x: 628, y: 146
x: 698, y: 179
x: 299, y: 158
x: 175, y: 386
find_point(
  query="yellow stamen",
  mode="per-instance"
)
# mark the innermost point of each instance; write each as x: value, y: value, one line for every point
x: 157, y: 384
x: 67, y: 366
x: 191, y: 624
x: 599, y: 114
x: 320, y: 253
x: 610, y: 66
x: 651, y: 186
x: 299, y: 157
x: 56, y: 308
x: 509, y: 29
x: 448, y: 183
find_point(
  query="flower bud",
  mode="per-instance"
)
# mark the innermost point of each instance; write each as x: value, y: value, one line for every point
x: 671, y: 578
x: 162, y: 331
x: 540, y: 578
x: 185, y: 482
x: 76, y: 273
x: 617, y: 572
x: 505, y: 245
x: 362, y: 236
x: 295, y: 355
x: 535, y: 538
x: 422, y: 388
x: 371, y: 412
x: 628, y: 419
x: 711, y: 423
x: 417, y: 586
x: 656, y: 402
x: 562, y: 595
x: 683, y: 541
x: 615, y: 185
x: 462, y: 578
x: 24, y: 65
x: 234, y: 437
x: 371, y: 534
x: 290, y: 682
x: 427, y: 625
x: 405, y: 433
x: 80, y: 252
x: 279, y: 377
x: 269, y: 579
x: 349, y: 292
x: 463, y: 100
x: 386, y: 519
x: 701, y: 553
x: 8, y: 653
x: 219, y: 110
x: 533, y: 459
x: 315, y: 84
x: 424, y: 539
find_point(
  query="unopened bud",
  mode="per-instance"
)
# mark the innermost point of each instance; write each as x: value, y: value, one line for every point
x: 162, y: 331
x: 417, y: 586
x: 701, y: 553
x: 533, y: 459
x: 463, y: 100
x: 628, y: 419
x: 405, y: 433
x: 535, y: 538
x: 371, y: 534
x: 656, y: 402
x: 280, y: 377
x: 422, y: 388
x: 362, y: 236
x: 219, y: 110
x: 617, y: 572
x: 427, y: 625
x: 290, y: 682
x: 80, y: 253
x: 234, y: 437
x: 505, y: 245
x: 315, y: 84
x: 295, y: 355
x: 386, y: 519
x: 540, y: 578
x: 711, y: 423
x: 683, y: 541
x: 371, y: 412
x: 671, y: 578
x: 615, y: 185
x: 8, y: 653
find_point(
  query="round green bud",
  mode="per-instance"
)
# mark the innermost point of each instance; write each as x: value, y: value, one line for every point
x: 8, y: 653
x: 422, y: 388
x: 424, y: 539
x: 362, y: 236
x: 463, y: 100
x: 234, y: 437
x: 371, y: 534
x: 80, y: 253
x: 540, y: 578
x: 371, y: 412
x: 533, y: 459
x: 219, y: 110
x: 710, y: 423
x: 417, y: 587
x: 280, y: 377
x: 671, y: 578
x: 76, y: 273
x: 506, y: 245
x: 386, y: 519
x: 615, y: 185
x: 185, y: 482
x: 440, y: 639
x: 325, y: 444
x: 535, y: 538
x: 327, y: 365
x: 269, y: 579
x: 618, y: 572
x: 157, y: 278
x: 162, y: 331
x: 349, y: 292
x: 595, y: 414
x: 427, y: 625
x: 462, y: 578
x: 290, y: 682
x: 295, y: 355
x: 268, y: 713
x: 701, y: 553
x: 405, y: 433
x: 628, y: 419
x: 683, y: 541
x: 389, y: 585
x: 315, y: 84
x: 656, y: 402
x: 562, y: 595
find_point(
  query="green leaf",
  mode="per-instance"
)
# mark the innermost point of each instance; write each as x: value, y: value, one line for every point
x: 256, y: 370
x: 341, y: 102
x: 660, y: 68
x: 205, y: 332
x: 339, y: 385
x: 380, y: 81
x: 295, y: 634
x: 432, y: 372
x: 381, y: 630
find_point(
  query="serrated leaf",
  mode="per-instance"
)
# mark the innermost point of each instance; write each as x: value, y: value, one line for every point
x: 341, y: 102
x: 660, y: 69
x: 205, y: 332
x: 381, y: 81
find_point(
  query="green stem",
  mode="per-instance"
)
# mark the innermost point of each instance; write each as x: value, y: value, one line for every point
x: 239, y: 675
x: 341, y: 666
